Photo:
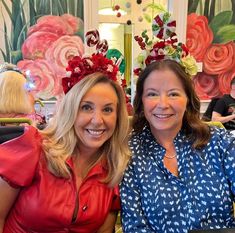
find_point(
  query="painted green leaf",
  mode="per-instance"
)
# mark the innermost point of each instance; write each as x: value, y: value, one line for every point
x: 7, y: 44
x: 32, y: 13
x: 60, y: 8
x: 16, y: 30
x: 71, y: 7
x: 7, y: 9
x: 192, y: 6
x: 3, y: 55
x: 64, y: 5
x: 22, y: 36
x: 80, y: 9
x: 16, y: 56
x: 220, y: 20
x: 225, y: 34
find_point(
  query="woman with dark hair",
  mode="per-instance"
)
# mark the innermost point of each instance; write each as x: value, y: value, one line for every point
x: 182, y: 172
x: 181, y: 175
x: 191, y: 119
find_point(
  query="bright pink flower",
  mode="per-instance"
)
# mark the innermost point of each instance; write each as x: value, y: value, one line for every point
x: 47, y: 83
x: 50, y: 44
x: 74, y: 22
x: 61, y: 51
x: 219, y: 58
x: 36, y: 44
x: 206, y: 86
x: 199, y: 35
x: 53, y: 24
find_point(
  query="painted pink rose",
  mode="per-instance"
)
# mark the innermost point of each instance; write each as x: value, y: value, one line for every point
x: 206, y: 86
x: 219, y: 58
x: 36, y: 44
x: 199, y: 36
x: 61, y: 51
x: 224, y: 81
x: 53, y: 24
x: 74, y: 22
x: 43, y: 76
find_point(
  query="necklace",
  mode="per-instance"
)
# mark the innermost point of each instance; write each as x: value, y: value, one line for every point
x: 170, y: 157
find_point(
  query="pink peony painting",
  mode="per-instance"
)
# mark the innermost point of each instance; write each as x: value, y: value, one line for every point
x: 211, y: 40
x: 43, y: 45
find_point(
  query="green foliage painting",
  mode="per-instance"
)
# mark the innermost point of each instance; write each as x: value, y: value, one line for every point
x: 211, y: 40
x: 40, y: 36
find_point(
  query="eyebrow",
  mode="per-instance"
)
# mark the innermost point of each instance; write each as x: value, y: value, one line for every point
x: 89, y: 102
x: 172, y: 89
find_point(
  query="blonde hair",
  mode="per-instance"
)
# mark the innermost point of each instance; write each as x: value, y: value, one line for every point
x: 13, y: 95
x: 60, y: 139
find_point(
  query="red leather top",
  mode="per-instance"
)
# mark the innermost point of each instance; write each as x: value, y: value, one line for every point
x: 46, y: 203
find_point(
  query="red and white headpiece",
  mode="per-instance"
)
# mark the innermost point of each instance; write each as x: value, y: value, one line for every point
x: 79, y: 67
x: 164, y: 46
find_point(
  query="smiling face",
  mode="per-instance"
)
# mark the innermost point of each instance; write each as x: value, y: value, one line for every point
x: 96, y: 118
x: 164, y: 101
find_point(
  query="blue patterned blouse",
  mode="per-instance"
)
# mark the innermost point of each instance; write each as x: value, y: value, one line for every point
x: 154, y: 200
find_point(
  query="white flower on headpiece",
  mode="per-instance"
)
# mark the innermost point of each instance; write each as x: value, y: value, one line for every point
x: 90, y: 62
x: 110, y: 68
x: 77, y: 70
x: 68, y: 74
x: 161, y: 52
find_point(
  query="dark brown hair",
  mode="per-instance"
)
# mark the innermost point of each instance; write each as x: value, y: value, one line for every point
x: 194, y: 128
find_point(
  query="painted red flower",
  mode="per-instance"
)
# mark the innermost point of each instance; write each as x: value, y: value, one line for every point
x: 219, y: 58
x: 206, y: 86
x: 199, y: 35
x: 224, y: 81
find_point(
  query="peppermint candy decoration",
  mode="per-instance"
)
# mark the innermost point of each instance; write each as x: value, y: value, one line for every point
x: 163, y: 26
x: 102, y: 46
x: 92, y: 37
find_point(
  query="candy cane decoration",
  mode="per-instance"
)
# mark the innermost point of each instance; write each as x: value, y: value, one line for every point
x: 92, y: 37
x: 102, y: 47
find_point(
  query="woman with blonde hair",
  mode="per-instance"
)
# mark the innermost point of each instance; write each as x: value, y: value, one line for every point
x: 65, y: 178
x: 16, y: 98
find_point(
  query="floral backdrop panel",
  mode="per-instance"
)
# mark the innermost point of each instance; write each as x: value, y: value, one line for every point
x: 40, y: 36
x: 211, y: 40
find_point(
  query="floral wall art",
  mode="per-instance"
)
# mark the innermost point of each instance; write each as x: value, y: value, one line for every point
x: 211, y: 40
x: 40, y: 37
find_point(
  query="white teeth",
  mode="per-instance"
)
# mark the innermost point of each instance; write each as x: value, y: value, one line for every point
x: 95, y: 132
x: 162, y: 115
